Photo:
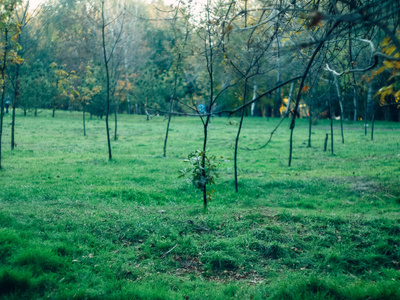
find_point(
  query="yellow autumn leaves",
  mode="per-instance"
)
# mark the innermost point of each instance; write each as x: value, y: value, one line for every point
x: 388, y: 48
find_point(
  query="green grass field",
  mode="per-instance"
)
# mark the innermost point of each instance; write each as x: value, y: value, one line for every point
x: 75, y: 226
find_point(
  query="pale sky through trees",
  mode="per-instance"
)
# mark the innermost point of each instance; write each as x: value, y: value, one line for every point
x: 34, y: 3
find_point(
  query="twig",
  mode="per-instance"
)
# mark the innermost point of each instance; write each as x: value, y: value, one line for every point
x: 169, y: 251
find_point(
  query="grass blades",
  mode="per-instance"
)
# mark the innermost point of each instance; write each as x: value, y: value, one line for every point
x: 74, y: 225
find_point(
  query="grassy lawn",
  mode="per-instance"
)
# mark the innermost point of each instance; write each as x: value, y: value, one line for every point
x: 75, y: 226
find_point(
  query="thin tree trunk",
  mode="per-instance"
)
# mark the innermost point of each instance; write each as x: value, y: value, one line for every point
x: 341, y: 120
x: 326, y: 142
x: 238, y: 135
x: 290, y: 147
x: 84, y: 121
x: 278, y: 81
x: 209, y: 57
x: 253, y: 105
x: 3, y: 77
x: 15, y: 103
x: 310, y: 123
x: 354, y: 79
x: 108, y: 81
x: 355, y: 102
x: 55, y: 101
x: 13, y: 129
x: 367, y: 104
x: 203, y: 162
x: 115, y: 127
x: 373, y: 123
x: 311, y: 60
x: 171, y: 107
x: 341, y: 105
x: 17, y: 82
x: 331, y: 114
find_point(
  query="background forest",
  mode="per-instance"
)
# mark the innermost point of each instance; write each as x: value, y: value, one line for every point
x: 159, y: 53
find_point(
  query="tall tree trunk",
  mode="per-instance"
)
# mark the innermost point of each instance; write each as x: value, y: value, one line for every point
x: 253, y: 105
x: 355, y: 103
x: 203, y: 162
x: 210, y: 68
x: 115, y: 125
x: 290, y: 147
x: 331, y: 113
x: 14, y: 104
x: 3, y: 77
x: 55, y: 101
x: 171, y: 107
x: 367, y: 104
x: 341, y: 120
x: 108, y: 80
x: 341, y: 105
x: 84, y: 120
x: 373, y: 122
x: 13, y: 129
x: 278, y: 81
x: 311, y: 60
x: 238, y: 135
x: 310, y: 122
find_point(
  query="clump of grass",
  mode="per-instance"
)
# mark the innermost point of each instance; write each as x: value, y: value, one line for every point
x: 220, y: 261
x: 9, y: 243
x: 14, y: 282
x: 39, y: 260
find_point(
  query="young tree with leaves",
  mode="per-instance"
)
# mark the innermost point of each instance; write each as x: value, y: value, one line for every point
x: 9, y: 30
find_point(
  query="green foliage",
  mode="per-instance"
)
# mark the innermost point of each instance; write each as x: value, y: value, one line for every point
x: 203, y: 170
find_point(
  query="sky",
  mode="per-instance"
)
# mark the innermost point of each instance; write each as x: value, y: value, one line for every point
x: 34, y: 3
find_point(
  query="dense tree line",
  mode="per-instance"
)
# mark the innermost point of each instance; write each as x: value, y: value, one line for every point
x: 160, y: 55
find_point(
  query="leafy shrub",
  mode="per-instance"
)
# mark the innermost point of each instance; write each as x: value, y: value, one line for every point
x: 203, y: 170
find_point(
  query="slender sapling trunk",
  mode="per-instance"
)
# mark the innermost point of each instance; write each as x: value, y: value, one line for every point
x: 3, y: 77
x: 108, y: 80
x: 238, y: 135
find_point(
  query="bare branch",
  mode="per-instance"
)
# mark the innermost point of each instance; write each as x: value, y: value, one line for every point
x: 231, y: 112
